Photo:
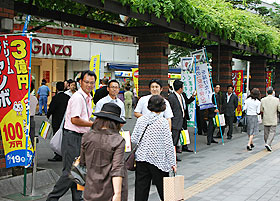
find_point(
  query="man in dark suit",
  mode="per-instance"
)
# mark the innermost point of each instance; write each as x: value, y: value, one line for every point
x: 212, y: 113
x: 229, y: 104
x: 177, y: 103
x: 57, y: 109
x: 102, y: 92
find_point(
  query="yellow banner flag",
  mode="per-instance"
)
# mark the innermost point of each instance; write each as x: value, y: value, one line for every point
x: 135, y: 75
x: 94, y: 66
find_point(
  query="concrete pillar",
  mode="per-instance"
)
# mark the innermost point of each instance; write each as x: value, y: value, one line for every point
x: 221, y: 67
x: 258, y: 74
x: 6, y: 16
x: 153, y: 61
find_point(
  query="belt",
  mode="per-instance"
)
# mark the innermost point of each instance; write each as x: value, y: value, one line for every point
x: 73, y: 132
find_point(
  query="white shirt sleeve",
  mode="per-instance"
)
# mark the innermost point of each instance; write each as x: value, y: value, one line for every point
x: 168, y: 114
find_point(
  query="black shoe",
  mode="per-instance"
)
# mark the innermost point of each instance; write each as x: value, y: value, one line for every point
x: 213, y: 141
x: 252, y: 146
x: 178, y: 159
x: 56, y: 158
x: 208, y: 143
x: 249, y: 148
x: 268, y: 147
x: 229, y: 137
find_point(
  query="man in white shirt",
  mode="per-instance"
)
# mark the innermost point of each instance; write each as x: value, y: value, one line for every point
x: 72, y: 88
x: 113, y: 89
x: 155, y: 87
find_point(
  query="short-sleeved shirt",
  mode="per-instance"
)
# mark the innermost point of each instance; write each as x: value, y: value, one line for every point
x: 33, y: 104
x: 142, y: 107
x: 79, y: 105
x: 108, y: 99
x: 43, y: 90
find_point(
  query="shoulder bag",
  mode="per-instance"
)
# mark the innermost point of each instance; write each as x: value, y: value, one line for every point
x: 130, y: 161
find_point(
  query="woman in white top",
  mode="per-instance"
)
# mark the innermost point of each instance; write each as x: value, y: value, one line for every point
x: 252, y: 108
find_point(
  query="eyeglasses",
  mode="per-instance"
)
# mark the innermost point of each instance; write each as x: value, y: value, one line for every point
x: 115, y: 87
x: 87, y: 82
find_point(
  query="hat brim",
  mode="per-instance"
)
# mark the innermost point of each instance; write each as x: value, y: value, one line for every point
x: 109, y: 116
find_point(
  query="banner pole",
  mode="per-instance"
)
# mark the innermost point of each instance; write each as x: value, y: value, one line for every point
x: 195, y: 123
x: 214, y: 96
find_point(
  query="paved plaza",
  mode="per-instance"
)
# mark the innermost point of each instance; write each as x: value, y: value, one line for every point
x: 218, y: 172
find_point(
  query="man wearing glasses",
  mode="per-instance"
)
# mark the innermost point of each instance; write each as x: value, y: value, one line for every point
x: 155, y: 87
x: 113, y: 89
x: 78, y: 112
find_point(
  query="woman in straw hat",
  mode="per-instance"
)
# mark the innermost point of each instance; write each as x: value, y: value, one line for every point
x: 102, y: 152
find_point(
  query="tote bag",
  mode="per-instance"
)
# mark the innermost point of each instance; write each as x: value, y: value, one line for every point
x: 173, y: 188
x: 56, y: 140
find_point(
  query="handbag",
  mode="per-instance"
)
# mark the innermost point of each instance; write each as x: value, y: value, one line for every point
x: 173, y: 188
x: 219, y: 120
x: 185, y: 137
x: 78, y: 172
x: 44, y: 129
x: 126, y: 136
x: 56, y: 140
x: 130, y: 161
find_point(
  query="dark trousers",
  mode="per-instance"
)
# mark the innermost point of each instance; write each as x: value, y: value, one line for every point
x: 210, y: 130
x: 229, y: 122
x: 71, y: 145
x: 145, y: 172
x: 175, y: 136
x: 200, y: 121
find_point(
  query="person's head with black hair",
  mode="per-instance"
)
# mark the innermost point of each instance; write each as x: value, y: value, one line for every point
x: 87, y: 81
x: 105, y: 81
x: 269, y: 90
x: 178, y: 86
x: 59, y: 86
x: 156, y: 104
x: 127, y: 88
x: 44, y: 81
x: 113, y: 88
x: 230, y: 89
x: 72, y: 85
x: 217, y: 88
x: 155, y: 86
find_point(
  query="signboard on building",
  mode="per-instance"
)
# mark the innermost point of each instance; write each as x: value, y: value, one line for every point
x: 268, y: 79
x: 14, y: 104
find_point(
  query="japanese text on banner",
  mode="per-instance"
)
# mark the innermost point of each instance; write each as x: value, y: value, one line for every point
x: 14, y: 105
x: 203, y: 87
x: 189, y: 88
x: 95, y: 67
x: 268, y: 79
x: 237, y: 82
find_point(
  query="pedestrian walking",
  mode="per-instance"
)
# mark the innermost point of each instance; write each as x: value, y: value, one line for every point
x: 229, y: 104
x: 252, y: 106
x: 269, y: 106
x: 102, y: 152
x: 78, y: 112
x: 155, y: 155
x: 155, y: 87
x: 57, y: 110
x: 43, y: 93
x: 128, y: 96
x: 113, y: 89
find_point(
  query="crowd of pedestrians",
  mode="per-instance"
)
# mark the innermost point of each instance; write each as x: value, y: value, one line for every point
x: 157, y: 131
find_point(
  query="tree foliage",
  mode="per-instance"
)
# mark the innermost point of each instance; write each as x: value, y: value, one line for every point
x: 210, y: 16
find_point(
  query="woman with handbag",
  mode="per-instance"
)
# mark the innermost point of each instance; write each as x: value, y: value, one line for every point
x: 102, y: 152
x: 155, y: 155
x: 252, y: 107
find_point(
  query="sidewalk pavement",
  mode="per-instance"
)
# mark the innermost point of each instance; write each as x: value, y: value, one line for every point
x: 216, y: 172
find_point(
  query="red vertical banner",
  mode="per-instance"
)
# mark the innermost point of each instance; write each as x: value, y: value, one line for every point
x: 14, y: 106
x: 237, y: 82
x: 268, y: 79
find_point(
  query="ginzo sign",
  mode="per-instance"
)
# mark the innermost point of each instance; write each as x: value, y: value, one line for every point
x: 51, y: 49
